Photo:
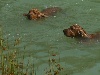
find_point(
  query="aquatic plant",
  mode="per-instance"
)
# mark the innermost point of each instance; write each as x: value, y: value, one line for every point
x: 12, y: 61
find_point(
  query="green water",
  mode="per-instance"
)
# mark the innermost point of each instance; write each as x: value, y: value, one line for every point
x: 39, y: 37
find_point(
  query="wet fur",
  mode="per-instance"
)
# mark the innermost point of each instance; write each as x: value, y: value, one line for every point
x: 42, y: 14
x: 76, y: 31
x: 51, y: 11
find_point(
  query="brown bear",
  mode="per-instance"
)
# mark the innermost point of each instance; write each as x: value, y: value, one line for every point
x: 76, y: 31
x: 35, y: 14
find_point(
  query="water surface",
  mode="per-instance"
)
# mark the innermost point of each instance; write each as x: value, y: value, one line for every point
x: 44, y: 36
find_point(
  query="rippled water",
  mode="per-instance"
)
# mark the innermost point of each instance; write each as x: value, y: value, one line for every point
x: 39, y: 37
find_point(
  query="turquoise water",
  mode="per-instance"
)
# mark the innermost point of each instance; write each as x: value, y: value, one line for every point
x: 39, y: 37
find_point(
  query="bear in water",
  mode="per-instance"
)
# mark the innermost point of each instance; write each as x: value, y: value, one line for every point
x: 35, y: 14
x: 76, y: 31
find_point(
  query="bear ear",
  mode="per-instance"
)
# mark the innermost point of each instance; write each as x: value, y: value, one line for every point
x: 82, y: 33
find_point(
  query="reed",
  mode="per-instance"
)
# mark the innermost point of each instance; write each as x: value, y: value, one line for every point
x: 12, y: 62
x: 54, y: 66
